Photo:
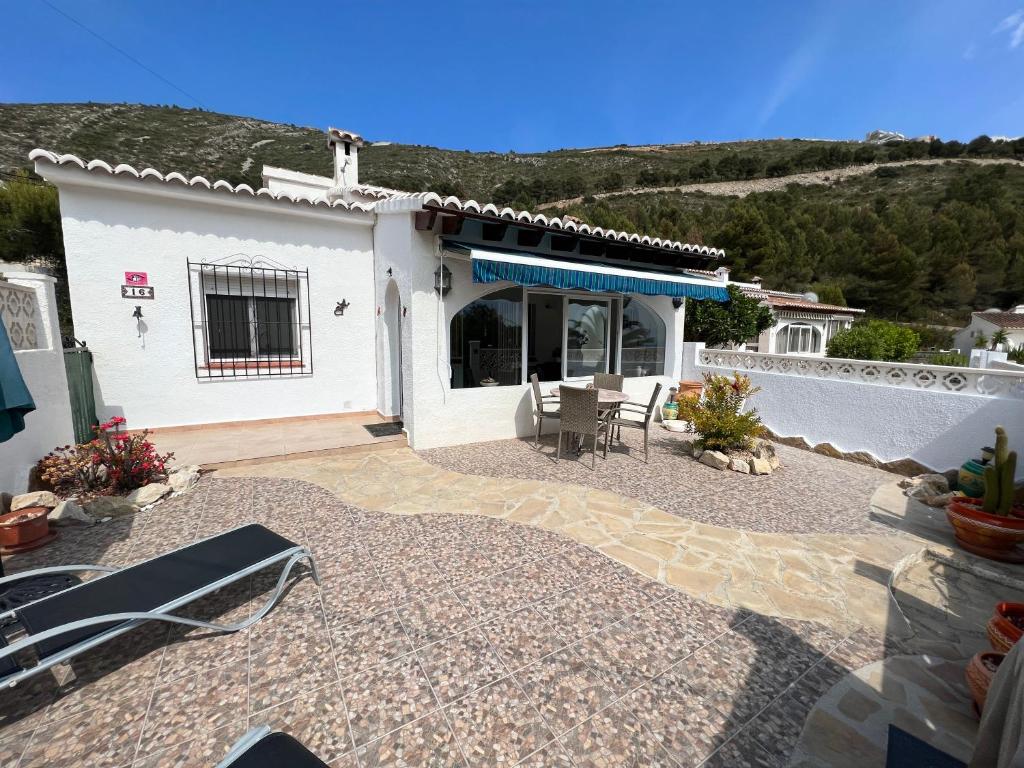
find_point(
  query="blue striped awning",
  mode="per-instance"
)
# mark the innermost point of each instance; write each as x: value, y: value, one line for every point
x: 535, y: 271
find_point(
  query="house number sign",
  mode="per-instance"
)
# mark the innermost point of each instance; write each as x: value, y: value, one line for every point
x: 136, y: 286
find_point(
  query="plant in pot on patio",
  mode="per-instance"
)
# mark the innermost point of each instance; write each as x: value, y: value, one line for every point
x: 728, y: 436
x: 114, y: 463
x: 992, y: 526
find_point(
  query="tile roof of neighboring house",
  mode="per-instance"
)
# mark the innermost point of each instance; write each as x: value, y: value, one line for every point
x: 196, y: 182
x: 783, y: 300
x: 387, y: 200
x: 1006, y: 320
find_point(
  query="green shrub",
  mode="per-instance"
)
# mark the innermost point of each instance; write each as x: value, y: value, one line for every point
x: 1016, y: 355
x: 948, y: 358
x: 874, y: 340
x: 716, y: 416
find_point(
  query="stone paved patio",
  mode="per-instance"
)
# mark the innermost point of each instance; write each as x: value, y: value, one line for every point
x: 811, y: 494
x: 435, y: 640
x: 837, y: 578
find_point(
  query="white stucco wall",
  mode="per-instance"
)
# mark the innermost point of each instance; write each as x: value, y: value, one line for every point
x: 151, y: 380
x: 963, y: 340
x: 435, y: 414
x: 49, y: 425
x: 936, y: 428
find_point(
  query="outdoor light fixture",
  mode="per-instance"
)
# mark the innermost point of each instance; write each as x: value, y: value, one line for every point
x: 442, y: 280
x: 677, y: 302
x: 340, y: 309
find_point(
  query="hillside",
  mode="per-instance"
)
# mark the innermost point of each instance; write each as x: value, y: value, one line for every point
x: 931, y: 240
x: 236, y: 148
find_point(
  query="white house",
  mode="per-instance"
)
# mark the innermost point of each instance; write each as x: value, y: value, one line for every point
x: 984, y: 324
x: 204, y: 302
x: 803, y: 325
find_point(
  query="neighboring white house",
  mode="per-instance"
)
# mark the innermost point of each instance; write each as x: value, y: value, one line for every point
x: 803, y: 325
x: 204, y: 302
x: 984, y: 324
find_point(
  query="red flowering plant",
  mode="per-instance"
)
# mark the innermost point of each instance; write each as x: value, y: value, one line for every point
x: 111, y: 463
x: 718, y: 417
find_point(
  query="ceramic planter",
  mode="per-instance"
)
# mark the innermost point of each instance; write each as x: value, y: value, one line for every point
x: 979, y: 673
x: 690, y: 389
x: 1006, y: 626
x: 991, y: 536
x: 20, y: 530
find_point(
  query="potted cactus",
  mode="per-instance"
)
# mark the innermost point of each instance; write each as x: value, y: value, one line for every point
x: 992, y: 526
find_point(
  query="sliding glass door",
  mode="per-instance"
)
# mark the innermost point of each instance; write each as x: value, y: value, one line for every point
x: 586, y: 339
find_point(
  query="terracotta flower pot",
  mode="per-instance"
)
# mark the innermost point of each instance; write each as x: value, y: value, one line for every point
x: 18, y: 529
x: 979, y: 673
x: 983, y: 534
x: 1006, y: 626
x: 690, y: 389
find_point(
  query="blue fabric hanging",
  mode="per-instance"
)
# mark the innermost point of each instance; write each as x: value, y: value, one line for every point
x: 15, y: 400
x: 533, y: 275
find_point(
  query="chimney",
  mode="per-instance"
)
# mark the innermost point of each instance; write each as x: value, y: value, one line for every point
x: 346, y: 157
x: 722, y: 273
x: 756, y: 280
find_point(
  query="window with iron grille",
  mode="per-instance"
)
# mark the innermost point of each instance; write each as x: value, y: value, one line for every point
x: 250, y: 318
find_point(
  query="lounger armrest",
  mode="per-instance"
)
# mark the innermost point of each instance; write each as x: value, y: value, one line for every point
x: 57, y: 569
x: 244, y: 744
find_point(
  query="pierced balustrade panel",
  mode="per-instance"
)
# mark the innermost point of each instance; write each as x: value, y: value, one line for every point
x: 19, y: 310
x: 971, y: 381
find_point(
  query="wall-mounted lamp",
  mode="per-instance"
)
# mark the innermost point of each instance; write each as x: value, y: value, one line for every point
x: 677, y: 302
x: 340, y: 309
x: 137, y: 314
x: 442, y: 280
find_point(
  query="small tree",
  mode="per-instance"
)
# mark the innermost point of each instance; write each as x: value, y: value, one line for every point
x: 999, y: 337
x: 874, y: 340
x: 731, y: 322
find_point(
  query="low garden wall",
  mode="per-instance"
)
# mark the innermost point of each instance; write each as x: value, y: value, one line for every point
x: 893, y: 414
x: 28, y: 309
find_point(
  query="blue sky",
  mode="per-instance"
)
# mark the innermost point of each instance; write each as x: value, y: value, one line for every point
x: 537, y: 75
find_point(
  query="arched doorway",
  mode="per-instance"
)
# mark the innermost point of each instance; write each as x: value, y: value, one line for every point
x: 392, y: 352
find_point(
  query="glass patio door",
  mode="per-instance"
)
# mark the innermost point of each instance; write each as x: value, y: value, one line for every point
x: 586, y: 342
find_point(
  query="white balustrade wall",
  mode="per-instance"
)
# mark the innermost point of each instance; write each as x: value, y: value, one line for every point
x: 937, y: 415
x: 28, y: 310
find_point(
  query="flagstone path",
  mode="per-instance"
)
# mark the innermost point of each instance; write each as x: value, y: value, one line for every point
x: 840, y: 579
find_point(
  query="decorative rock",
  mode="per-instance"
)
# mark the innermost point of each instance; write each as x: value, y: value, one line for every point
x: 931, y: 478
x: 760, y: 467
x: 34, y: 499
x: 697, y: 452
x: 148, y: 494
x: 70, y: 512
x: 111, y: 506
x: 738, y: 465
x: 183, y: 478
x: 687, y: 445
x: 714, y: 459
x: 773, y: 462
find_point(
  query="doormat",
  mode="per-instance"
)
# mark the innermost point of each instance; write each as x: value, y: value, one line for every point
x: 384, y: 430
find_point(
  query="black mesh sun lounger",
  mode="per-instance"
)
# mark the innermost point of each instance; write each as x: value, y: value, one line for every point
x: 61, y: 626
x: 262, y: 748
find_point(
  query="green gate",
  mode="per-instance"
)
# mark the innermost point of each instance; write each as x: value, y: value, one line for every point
x: 78, y: 364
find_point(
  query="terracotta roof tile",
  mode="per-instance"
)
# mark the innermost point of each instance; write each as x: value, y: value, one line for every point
x: 1007, y: 320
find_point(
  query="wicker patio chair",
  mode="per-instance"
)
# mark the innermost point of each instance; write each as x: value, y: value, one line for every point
x: 541, y: 409
x: 618, y: 421
x: 609, y: 381
x: 579, y: 416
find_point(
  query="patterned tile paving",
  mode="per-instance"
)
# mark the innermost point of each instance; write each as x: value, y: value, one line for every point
x: 441, y: 640
x: 811, y: 494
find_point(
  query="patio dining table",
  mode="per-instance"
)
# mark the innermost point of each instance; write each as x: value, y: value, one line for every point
x: 607, y: 399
